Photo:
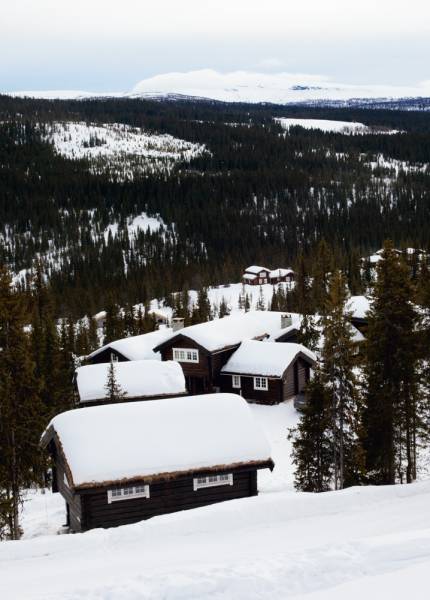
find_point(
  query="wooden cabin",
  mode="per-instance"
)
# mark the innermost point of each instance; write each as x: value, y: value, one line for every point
x: 122, y: 463
x: 267, y: 372
x: 137, y: 347
x: 255, y: 275
x: 281, y: 276
x: 203, y: 349
x: 138, y: 380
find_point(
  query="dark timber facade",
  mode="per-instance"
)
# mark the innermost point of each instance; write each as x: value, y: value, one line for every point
x: 277, y: 389
x: 109, y: 504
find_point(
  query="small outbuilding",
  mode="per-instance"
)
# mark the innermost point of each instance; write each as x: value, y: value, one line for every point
x: 267, y: 372
x: 121, y: 463
x: 136, y: 347
x: 137, y: 379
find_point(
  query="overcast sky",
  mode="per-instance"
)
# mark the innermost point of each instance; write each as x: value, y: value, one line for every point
x: 106, y: 45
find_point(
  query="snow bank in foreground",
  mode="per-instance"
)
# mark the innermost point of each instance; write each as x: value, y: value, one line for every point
x: 279, y: 545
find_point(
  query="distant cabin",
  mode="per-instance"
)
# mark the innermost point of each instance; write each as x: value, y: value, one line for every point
x: 203, y: 349
x: 281, y: 276
x: 255, y: 275
x: 138, y: 379
x: 121, y: 463
x: 268, y: 372
x: 137, y: 347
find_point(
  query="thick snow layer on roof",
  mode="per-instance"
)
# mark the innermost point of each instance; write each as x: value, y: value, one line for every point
x: 138, y: 439
x: 359, y: 306
x: 233, y: 329
x: 270, y: 359
x: 250, y: 276
x: 296, y: 318
x: 255, y: 269
x: 138, y: 347
x: 136, y: 378
x: 280, y: 272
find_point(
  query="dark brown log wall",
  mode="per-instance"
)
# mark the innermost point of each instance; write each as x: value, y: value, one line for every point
x: 274, y: 395
x: 165, y: 497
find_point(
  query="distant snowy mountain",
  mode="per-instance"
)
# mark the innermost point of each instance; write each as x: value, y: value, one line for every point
x: 251, y: 87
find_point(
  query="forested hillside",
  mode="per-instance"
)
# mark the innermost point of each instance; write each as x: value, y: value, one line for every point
x: 232, y: 187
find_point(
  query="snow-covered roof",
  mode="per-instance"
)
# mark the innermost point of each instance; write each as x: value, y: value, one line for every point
x: 255, y: 269
x: 265, y: 358
x: 375, y: 258
x: 137, y: 378
x: 280, y: 273
x: 359, y: 306
x: 132, y: 440
x: 233, y: 329
x: 249, y: 276
x: 138, y: 347
x: 357, y: 336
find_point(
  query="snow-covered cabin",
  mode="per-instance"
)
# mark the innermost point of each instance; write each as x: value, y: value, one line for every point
x: 121, y: 463
x: 267, y: 372
x: 281, y: 276
x: 256, y: 275
x: 138, y: 380
x: 137, y: 347
x: 203, y: 349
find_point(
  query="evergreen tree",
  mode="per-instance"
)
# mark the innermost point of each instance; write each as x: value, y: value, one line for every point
x: 204, y: 306
x: 114, y: 392
x: 338, y: 362
x: 261, y: 304
x: 308, y: 334
x: 224, y: 310
x: 21, y: 413
x: 312, y: 445
x: 392, y: 414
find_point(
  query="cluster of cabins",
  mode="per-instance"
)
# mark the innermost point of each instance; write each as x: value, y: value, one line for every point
x: 183, y: 434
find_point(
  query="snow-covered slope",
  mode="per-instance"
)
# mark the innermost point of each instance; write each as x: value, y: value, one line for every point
x: 362, y: 542
x: 120, y: 148
x: 247, y: 86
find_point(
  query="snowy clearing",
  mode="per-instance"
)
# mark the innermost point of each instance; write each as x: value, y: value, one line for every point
x: 118, y: 147
x: 345, y: 127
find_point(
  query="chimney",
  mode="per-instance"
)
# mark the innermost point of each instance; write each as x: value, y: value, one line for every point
x: 286, y: 321
x: 177, y: 323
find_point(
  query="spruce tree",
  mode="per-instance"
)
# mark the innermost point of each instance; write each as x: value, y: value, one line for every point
x: 21, y: 413
x: 311, y: 441
x: 392, y: 415
x: 114, y: 392
x: 338, y: 376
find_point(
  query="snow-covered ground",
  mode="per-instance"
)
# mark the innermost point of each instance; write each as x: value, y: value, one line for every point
x: 118, y: 147
x: 247, y: 86
x: 281, y: 544
x: 326, y: 125
x: 142, y: 222
x: 346, y: 127
x: 369, y: 542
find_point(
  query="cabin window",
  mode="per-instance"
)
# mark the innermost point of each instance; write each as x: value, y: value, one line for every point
x: 236, y: 381
x: 261, y: 383
x: 113, y: 357
x: 134, y: 491
x: 186, y: 355
x: 212, y: 481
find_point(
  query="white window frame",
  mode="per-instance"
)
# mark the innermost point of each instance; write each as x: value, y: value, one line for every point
x: 261, y: 383
x: 212, y: 481
x: 187, y: 355
x: 113, y: 357
x: 236, y: 382
x: 128, y: 493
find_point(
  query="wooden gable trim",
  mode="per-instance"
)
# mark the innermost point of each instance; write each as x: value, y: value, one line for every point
x: 180, y: 336
x: 51, y: 435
